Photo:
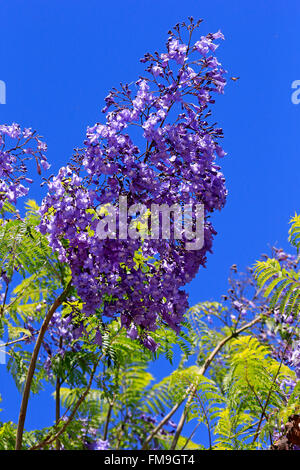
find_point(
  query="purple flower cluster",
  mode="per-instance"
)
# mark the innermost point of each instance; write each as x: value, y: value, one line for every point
x: 177, y: 165
x: 61, y: 334
x: 98, y: 444
x: 15, y: 151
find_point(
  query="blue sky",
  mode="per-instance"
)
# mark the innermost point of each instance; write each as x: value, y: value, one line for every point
x: 60, y: 58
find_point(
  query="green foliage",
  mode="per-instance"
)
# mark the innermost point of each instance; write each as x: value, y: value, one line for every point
x: 281, y: 286
x: 252, y: 394
x: 237, y: 397
x: 294, y: 232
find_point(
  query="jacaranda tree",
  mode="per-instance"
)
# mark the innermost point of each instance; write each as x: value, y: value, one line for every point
x: 89, y: 313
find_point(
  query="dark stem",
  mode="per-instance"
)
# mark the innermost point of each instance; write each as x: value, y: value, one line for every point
x: 107, y: 421
x: 191, y: 436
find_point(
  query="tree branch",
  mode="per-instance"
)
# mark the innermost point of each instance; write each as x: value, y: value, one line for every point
x: 51, y: 438
x: 203, y: 369
x: 30, y: 373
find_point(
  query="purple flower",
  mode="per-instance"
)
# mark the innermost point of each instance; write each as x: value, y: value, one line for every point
x: 173, y: 163
x: 98, y: 445
x: 98, y: 338
x: 13, y: 156
x: 149, y: 343
x: 132, y: 332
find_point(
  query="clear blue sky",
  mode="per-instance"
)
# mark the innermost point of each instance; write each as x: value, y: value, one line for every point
x: 60, y: 58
